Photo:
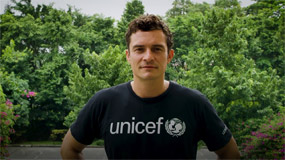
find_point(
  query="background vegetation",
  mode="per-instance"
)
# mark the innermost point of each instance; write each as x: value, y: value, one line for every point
x: 53, y: 61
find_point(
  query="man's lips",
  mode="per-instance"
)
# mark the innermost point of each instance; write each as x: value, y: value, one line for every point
x: 148, y: 67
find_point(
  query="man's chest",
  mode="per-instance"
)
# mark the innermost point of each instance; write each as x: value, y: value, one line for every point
x: 154, y: 129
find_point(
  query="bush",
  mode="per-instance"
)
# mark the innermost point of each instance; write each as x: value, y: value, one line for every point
x: 243, y: 128
x: 98, y: 142
x: 58, y: 134
x: 7, y: 122
x: 268, y: 141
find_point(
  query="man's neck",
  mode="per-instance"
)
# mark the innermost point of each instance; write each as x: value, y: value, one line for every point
x: 149, y: 89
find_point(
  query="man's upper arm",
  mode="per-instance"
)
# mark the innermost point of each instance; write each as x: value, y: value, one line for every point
x: 70, y: 146
x: 229, y: 151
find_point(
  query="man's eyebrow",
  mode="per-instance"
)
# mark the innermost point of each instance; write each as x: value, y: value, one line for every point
x: 158, y: 45
x: 155, y: 45
x: 138, y: 46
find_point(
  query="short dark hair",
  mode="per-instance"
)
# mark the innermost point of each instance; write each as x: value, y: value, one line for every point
x: 149, y: 23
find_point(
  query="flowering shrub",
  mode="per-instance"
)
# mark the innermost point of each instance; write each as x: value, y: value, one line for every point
x: 268, y: 141
x: 28, y: 94
x: 246, y: 126
x: 6, y: 123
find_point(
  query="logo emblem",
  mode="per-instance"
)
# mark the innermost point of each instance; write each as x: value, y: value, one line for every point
x: 175, y: 127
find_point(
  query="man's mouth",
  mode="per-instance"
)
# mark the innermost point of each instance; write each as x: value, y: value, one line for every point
x: 148, y: 67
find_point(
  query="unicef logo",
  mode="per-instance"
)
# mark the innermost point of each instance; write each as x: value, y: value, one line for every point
x: 175, y: 127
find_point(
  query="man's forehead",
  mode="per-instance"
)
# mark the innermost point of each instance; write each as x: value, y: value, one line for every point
x: 155, y: 37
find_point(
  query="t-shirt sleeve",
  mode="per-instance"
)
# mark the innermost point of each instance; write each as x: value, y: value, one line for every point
x: 86, y: 127
x: 214, y: 132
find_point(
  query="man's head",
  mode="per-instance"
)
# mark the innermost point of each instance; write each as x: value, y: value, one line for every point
x: 149, y: 23
x: 149, y: 48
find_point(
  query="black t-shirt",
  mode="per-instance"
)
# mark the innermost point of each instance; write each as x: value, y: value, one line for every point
x: 168, y: 126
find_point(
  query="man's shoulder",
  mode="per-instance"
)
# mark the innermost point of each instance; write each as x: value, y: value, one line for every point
x: 185, y: 91
x: 112, y: 91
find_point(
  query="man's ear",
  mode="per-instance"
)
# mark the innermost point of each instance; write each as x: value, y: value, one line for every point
x: 127, y: 55
x: 170, y: 56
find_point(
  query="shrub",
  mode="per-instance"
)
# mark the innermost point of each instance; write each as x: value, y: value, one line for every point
x: 268, y: 141
x: 58, y: 134
x: 7, y: 122
x: 243, y: 128
x: 98, y: 142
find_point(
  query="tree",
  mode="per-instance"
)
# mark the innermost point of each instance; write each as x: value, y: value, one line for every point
x: 96, y: 34
x: 219, y: 69
x: 133, y: 9
x: 266, y: 44
x: 185, y: 30
x: 105, y: 70
x: 13, y: 86
x: 8, y: 119
x: 180, y: 7
x: 226, y: 3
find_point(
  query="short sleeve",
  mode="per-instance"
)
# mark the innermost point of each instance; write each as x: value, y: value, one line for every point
x: 86, y: 127
x: 214, y: 132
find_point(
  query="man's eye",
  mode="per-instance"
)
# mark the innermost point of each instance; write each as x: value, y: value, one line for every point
x: 157, y: 49
x: 139, y: 49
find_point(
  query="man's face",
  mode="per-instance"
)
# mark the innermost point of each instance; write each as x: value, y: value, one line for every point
x: 148, y: 54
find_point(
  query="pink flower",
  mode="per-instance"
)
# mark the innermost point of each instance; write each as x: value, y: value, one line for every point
x: 280, y: 124
x: 16, y: 117
x: 3, y: 114
x: 32, y: 94
x: 9, y: 103
x: 7, y: 122
x: 12, y: 130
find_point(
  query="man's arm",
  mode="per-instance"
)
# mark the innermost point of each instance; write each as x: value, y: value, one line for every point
x: 229, y: 151
x: 71, y: 148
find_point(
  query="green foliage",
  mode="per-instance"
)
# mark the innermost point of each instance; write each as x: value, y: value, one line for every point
x: 226, y: 3
x: 185, y: 30
x: 104, y: 70
x: 98, y: 142
x: 233, y: 55
x: 58, y: 134
x: 218, y: 68
x: 267, y: 142
x: 51, y: 78
x: 14, y: 86
x: 133, y: 9
x: 218, y: 52
x: 266, y: 42
x: 180, y: 7
x: 244, y: 128
x: 7, y: 121
x: 11, y: 56
x: 96, y: 33
x: 232, y: 91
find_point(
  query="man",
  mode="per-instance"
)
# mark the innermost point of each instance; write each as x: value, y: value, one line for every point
x: 149, y: 117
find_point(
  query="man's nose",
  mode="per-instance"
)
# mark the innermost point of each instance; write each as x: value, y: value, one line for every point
x: 148, y: 56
